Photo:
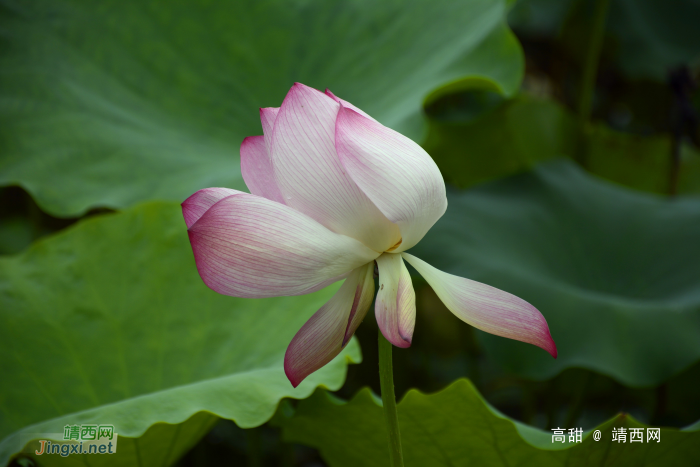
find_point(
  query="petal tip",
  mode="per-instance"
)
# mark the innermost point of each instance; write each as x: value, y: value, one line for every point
x: 293, y: 378
x: 398, y: 341
x: 406, y: 333
x: 297, y: 86
x: 545, y: 341
x: 247, y: 140
x: 551, y: 347
x: 332, y: 96
x: 193, y: 208
x: 404, y: 344
x: 295, y: 383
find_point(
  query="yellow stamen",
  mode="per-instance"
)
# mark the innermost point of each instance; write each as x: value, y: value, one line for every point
x: 395, y: 246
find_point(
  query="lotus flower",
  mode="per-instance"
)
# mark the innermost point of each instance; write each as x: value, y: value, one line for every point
x: 332, y: 192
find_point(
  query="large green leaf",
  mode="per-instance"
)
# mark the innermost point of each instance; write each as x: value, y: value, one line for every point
x: 526, y: 130
x: 112, y: 102
x: 456, y: 427
x: 614, y: 271
x: 162, y: 445
x: 108, y: 322
x: 642, y: 162
x: 510, y: 138
x: 539, y: 18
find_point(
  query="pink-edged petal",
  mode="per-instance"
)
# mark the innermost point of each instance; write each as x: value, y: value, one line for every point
x: 364, y: 294
x: 487, y: 308
x: 267, y: 118
x: 310, y: 176
x: 256, y: 168
x: 395, y: 307
x: 398, y: 175
x: 197, y: 204
x: 325, y: 334
x: 347, y: 104
x: 248, y: 246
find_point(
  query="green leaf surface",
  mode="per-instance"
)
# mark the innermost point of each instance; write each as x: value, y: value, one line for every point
x: 108, y: 322
x: 510, y: 138
x: 162, y: 444
x: 113, y: 102
x: 642, y: 162
x: 614, y: 271
x: 526, y: 130
x: 456, y: 427
x: 539, y: 18
x: 16, y: 233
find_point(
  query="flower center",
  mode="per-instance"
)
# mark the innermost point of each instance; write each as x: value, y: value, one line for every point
x: 396, y: 245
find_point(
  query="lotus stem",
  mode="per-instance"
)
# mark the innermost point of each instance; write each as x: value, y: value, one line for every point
x: 386, y: 380
x: 590, y: 71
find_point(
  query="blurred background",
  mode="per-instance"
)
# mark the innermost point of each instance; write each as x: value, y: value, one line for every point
x: 567, y: 130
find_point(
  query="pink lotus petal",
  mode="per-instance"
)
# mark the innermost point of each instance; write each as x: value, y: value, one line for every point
x: 310, y: 176
x: 325, y: 334
x: 396, y: 174
x: 197, y: 204
x: 267, y: 118
x: 395, y: 307
x: 256, y: 169
x: 364, y: 294
x: 487, y: 308
x: 248, y: 246
x: 347, y: 104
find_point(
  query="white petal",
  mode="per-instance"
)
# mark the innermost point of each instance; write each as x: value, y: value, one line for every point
x: 396, y: 174
x: 347, y: 104
x: 197, y: 204
x: 249, y: 246
x: 256, y: 169
x: 310, y: 176
x: 395, y: 307
x: 268, y: 115
x: 487, y: 308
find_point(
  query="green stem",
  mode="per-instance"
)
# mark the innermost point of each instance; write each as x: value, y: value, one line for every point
x: 590, y: 71
x: 386, y: 380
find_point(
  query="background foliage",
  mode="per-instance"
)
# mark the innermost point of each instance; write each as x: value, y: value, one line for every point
x: 456, y: 427
x: 111, y: 113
